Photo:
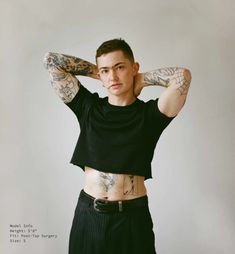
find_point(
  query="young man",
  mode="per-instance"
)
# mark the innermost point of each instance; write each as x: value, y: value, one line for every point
x: 118, y: 135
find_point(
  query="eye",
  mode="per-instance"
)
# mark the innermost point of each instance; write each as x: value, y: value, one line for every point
x: 120, y: 67
x: 104, y: 71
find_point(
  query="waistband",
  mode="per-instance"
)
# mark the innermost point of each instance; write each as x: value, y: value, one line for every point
x: 107, y: 206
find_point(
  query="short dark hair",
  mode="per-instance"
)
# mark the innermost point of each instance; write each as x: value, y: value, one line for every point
x: 114, y: 45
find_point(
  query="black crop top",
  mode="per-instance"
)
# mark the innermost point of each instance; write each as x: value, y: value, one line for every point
x: 116, y: 139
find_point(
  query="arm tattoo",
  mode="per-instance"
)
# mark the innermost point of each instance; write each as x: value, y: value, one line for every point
x: 107, y: 180
x: 184, y: 86
x: 65, y: 85
x: 129, y: 185
x: 70, y: 64
x: 62, y: 70
x: 167, y: 76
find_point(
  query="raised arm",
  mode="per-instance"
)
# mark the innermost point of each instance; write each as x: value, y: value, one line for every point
x: 63, y: 70
x: 176, y: 80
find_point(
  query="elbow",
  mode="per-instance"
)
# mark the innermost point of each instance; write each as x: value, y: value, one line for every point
x: 48, y: 60
x: 187, y: 75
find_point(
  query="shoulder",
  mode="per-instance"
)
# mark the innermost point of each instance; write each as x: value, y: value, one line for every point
x: 83, y: 101
x: 154, y: 115
x: 153, y: 105
x: 83, y: 95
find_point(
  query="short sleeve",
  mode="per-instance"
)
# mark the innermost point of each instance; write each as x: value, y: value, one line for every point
x: 159, y: 120
x: 82, y: 102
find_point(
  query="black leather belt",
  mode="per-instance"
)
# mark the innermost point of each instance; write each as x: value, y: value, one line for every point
x: 107, y: 206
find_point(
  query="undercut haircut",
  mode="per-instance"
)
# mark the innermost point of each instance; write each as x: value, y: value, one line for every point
x: 115, y: 45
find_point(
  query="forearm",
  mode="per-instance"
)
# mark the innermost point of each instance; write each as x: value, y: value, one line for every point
x: 62, y: 72
x: 69, y: 64
x: 176, y: 77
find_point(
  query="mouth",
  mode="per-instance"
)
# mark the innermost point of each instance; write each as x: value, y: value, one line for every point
x: 115, y: 86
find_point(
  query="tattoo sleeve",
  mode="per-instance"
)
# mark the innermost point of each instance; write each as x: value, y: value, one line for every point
x: 63, y: 69
x: 70, y: 64
x: 165, y: 77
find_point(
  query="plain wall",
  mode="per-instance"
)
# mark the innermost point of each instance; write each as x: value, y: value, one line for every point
x: 192, y: 190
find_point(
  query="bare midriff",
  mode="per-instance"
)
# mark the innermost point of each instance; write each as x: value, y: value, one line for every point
x: 113, y: 186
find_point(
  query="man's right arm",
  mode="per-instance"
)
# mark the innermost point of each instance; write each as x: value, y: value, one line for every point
x: 63, y: 70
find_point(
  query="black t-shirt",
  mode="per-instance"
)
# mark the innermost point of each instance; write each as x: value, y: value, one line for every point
x: 116, y: 139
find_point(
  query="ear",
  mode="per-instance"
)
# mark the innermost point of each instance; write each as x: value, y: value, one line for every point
x: 136, y: 68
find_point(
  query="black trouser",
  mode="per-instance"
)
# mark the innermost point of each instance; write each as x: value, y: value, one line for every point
x: 117, y: 232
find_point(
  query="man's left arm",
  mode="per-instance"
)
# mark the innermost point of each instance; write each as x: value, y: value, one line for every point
x: 176, y: 81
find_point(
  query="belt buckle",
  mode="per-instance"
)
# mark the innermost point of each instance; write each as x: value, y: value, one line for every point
x: 96, y: 204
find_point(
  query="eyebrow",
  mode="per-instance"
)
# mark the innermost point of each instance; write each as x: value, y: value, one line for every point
x: 112, y: 66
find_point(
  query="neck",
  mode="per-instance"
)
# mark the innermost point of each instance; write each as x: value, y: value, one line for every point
x: 121, y: 100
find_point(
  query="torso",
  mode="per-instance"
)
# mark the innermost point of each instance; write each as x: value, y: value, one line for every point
x: 113, y: 186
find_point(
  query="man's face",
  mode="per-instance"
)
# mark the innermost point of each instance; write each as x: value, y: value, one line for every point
x: 117, y: 72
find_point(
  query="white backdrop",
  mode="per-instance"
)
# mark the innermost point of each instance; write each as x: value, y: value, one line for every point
x: 192, y: 190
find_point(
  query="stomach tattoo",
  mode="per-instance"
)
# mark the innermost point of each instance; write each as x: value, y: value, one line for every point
x: 109, y: 182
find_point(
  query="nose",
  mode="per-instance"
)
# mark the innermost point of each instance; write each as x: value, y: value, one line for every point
x: 113, y: 75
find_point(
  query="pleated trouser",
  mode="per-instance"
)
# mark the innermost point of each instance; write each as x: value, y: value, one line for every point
x: 128, y: 232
